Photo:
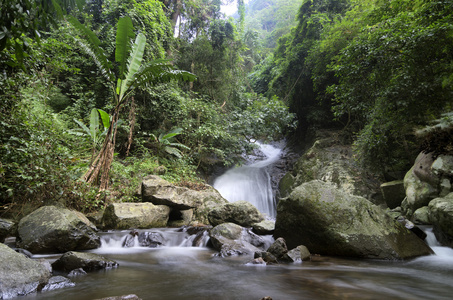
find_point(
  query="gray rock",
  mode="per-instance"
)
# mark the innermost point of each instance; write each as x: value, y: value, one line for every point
x: 298, y: 254
x: 278, y: 248
x: 57, y: 282
x: 20, y: 275
x: 193, y: 206
x: 443, y: 166
x: 50, y: 229
x: 231, y: 239
x: 160, y: 192
x: 418, y: 192
x: 441, y: 216
x: 242, y: 213
x: 151, y: 239
x: 421, y: 216
x: 393, y: 193
x: 87, y: 261
x: 267, y: 257
x: 331, y: 222
x: 264, y: 227
x: 135, y: 215
x: 6, y: 228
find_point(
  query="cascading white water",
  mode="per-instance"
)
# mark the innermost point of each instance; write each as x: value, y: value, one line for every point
x: 251, y: 182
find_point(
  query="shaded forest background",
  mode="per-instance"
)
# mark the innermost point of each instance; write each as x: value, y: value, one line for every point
x: 381, y: 71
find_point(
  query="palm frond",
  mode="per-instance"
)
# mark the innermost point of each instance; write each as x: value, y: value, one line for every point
x: 92, y: 47
x: 161, y: 70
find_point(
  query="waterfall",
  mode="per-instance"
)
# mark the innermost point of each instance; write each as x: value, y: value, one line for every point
x: 251, y: 182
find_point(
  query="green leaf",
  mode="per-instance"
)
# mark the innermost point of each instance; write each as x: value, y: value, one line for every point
x: 124, y: 33
x: 134, y: 63
x: 94, y: 124
x: 105, y: 117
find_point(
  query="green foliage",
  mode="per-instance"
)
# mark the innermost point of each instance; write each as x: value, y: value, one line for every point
x: 94, y: 134
x: 392, y: 75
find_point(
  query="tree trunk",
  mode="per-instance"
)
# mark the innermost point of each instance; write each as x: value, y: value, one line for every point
x: 103, y: 161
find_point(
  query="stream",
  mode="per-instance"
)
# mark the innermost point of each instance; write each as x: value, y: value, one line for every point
x: 179, y: 270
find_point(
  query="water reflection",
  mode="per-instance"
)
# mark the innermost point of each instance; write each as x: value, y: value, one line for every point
x: 175, y: 272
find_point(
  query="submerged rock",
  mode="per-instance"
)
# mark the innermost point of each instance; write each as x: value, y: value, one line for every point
x: 57, y: 282
x: 331, y: 222
x: 441, y: 216
x: 231, y: 239
x: 125, y: 297
x: 242, y: 213
x: 87, y: 261
x: 20, y: 275
x: 135, y: 215
x: 50, y: 229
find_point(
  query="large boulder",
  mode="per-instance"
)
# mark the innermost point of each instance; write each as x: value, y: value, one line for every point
x: 429, y: 178
x: 135, y: 215
x: 51, y: 229
x: 188, y: 206
x: 83, y: 260
x: 441, y: 216
x: 242, y: 213
x: 332, y: 161
x: 20, y: 275
x: 329, y: 221
x: 231, y: 239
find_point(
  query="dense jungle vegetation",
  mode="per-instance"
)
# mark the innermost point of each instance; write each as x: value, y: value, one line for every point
x: 97, y: 94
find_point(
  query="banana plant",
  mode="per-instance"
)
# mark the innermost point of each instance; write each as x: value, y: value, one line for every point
x: 132, y: 74
x: 94, y: 133
x: 166, y: 144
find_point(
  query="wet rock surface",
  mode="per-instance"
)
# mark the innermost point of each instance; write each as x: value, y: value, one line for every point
x: 50, y: 229
x: 20, y: 275
x: 87, y: 261
x: 231, y: 239
x: 441, y: 216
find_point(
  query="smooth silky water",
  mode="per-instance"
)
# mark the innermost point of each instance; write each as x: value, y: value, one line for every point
x: 179, y: 271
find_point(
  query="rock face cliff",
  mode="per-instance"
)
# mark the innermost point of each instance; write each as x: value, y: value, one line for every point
x: 330, y: 160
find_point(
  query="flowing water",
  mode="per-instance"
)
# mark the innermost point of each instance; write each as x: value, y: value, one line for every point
x: 178, y: 270
x: 251, y: 182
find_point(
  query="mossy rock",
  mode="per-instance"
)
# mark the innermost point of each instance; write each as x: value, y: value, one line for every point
x: 329, y: 221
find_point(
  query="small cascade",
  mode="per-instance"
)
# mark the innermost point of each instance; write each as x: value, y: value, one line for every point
x: 155, y: 238
x: 251, y: 182
x: 440, y: 251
